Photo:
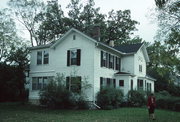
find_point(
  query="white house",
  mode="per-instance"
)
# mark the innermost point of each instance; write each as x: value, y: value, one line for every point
x: 122, y: 67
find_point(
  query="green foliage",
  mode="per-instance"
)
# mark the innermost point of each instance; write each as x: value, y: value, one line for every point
x: 55, y: 95
x: 18, y: 113
x: 26, y: 12
x: 12, y: 84
x: 165, y: 101
x: 109, y: 98
x: 117, y: 25
x: 164, y: 66
x: 136, y: 98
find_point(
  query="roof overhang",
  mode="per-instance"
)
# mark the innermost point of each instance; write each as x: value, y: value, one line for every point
x: 148, y: 77
x: 124, y: 74
x: 144, y: 50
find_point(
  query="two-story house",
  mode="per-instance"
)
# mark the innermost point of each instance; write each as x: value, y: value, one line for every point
x: 122, y: 67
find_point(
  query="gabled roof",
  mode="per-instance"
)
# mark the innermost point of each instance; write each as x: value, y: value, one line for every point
x: 70, y: 31
x: 129, y: 48
x: 122, y: 49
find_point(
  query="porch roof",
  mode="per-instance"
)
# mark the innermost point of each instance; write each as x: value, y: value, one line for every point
x: 124, y: 74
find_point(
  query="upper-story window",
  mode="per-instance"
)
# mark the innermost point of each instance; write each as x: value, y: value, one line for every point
x: 46, y: 57
x: 73, y: 57
x: 140, y: 68
x: 118, y: 63
x: 39, y: 57
x: 42, y: 57
x: 110, y: 61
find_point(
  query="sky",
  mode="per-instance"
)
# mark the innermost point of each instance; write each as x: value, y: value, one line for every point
x: 139, y: 11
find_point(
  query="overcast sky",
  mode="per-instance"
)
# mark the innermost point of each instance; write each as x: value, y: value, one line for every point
x: 139, y: 11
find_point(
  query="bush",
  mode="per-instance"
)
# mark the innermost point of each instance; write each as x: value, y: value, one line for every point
x: 165, y: 101
x: 55, y: 95
x: 109, y: 98
x: 136, y: 98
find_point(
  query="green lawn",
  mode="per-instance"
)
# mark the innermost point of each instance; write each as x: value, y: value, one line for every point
x: 18, y: 113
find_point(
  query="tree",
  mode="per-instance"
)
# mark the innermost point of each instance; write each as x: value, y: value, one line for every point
x: 164, y: 64
x: 120, y: 26
x: 117, y: 26
x: 26, y: 12
x: 8, y: 34
x: 168, y: 16
x: 12, y: 77
x: 52, y: 25
x: 75, y: 8
x: 160, y: 3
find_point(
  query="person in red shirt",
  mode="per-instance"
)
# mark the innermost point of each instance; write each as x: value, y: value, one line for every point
x: 151, y: 104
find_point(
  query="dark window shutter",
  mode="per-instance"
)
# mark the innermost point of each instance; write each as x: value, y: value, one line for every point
x: 108, y: 82
x: 113, y: 63
x: 107, y: 62
x: 114, y: 83
x: 116, y: 67
x: 101, y: 59
x: 68, y: 58
x: 101, y: 82
x: 78, y: 57
x: 79, y: 78
x: 67, y: 83
x: 119, y: 64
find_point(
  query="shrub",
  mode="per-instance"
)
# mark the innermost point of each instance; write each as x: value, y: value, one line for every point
x: 136, y: 98
x: 109, y: 98
x: 165, y: 101
x: 56, y: 95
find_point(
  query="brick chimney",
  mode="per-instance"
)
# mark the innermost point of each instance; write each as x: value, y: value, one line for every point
x: 95, y: 33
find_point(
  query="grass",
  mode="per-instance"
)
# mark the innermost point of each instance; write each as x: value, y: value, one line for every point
x: 10, y: 112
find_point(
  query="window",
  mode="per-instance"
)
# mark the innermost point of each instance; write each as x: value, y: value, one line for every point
x: 73, y: 57
x: 140, y: 68
x: 149, y: 87
x: 111, y: 61
x: 39, y: 83
x: 107, y: 82
x: 73, y: 84
x: 121, y: 83
x: 118, y: 63
x: 108, y: 61
x: 39, y: 57
x: 140, y: 84
x: 44, y: 57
